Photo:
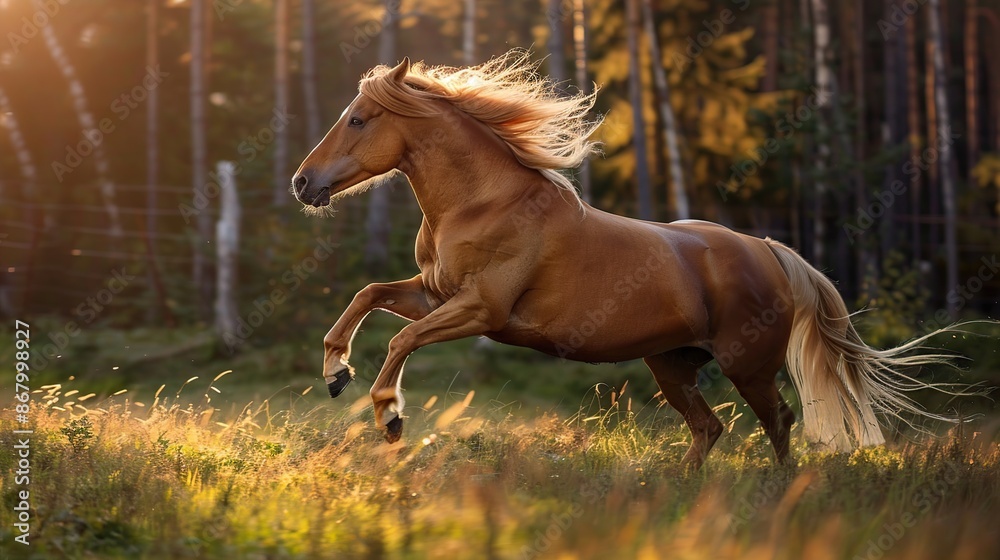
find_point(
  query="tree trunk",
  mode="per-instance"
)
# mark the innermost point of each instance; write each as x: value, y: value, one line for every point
x: 29, y: 173
x: 993, y: 70
x: 29, y: 193
x: 913, y: 124
x: 280, y: 172
x: 645, y: 202
x: 469, y: 33
x: 582, y: 81
x: 557, y: 44
x: 227, y: 235
x: 865, y: 262
x: 199, y: 177
x: 769, y: 15
x: 87, y: 124
x: 314, y: 119
x: 378, y: 221
x: 993, y: 98
x: 971, y: 79
x: 153, y: 169
x: 824, y: 79
x: 892, y: 129
x: 677, y: 193
x: 945, y: 156
x: 933, y: 176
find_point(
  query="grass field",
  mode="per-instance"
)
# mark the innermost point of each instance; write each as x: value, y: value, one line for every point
x: 252, y: 464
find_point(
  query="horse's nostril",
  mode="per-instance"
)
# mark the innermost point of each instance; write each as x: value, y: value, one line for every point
x: 300, y: 183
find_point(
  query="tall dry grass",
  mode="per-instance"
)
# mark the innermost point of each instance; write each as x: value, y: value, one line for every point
x: 154, y: 478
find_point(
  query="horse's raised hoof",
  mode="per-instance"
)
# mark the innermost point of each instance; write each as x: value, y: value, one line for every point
x: 394, y: 430
x: 337, y: 386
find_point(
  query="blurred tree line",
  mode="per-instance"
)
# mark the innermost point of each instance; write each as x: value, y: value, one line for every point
x: 865, y: 133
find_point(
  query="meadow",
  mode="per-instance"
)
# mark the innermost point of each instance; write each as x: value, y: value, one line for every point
x: 251, y: 464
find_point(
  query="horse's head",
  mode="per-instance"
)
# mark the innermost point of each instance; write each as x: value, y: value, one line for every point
x: 366, y: 142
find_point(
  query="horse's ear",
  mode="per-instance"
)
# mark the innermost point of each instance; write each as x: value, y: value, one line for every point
x: 399, y: 72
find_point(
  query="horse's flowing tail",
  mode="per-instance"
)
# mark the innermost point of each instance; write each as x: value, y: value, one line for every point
x: 841, y: 381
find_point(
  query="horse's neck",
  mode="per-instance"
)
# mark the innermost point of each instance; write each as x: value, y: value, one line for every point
x: 467, y: 173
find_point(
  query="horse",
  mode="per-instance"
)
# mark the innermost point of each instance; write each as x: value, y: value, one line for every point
x: 508, y: 250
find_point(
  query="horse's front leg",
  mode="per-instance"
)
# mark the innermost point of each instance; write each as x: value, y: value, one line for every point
x: 462, y: 316
x: 405, y: 298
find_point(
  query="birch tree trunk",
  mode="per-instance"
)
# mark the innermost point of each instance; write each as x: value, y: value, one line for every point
x: 314, y: 119
x: 227, y: 235
x: 945, y: 156
x: 87, y: 124
x: 280, y: 169
x: 469, y: 33
x: 677, y: 192
x: 378, y: 221
x: 824, y: 77
x: 557, y: 43
x: 645, y: 203
x: 582, y: 81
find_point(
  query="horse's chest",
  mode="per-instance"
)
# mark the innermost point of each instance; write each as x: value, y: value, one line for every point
x: 440, y: 282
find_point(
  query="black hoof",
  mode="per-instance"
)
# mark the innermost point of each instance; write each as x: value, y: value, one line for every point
x: 394, y: 430
x: 338, y: 385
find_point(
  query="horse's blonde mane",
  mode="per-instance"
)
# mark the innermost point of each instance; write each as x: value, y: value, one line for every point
x: 545, y: 130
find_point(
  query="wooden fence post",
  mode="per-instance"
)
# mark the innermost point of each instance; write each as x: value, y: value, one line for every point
x: 227, y: 237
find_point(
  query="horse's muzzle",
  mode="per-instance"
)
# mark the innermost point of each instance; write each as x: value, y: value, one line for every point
x: 308, y: 190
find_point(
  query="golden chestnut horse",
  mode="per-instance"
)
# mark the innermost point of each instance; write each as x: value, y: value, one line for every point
x: 508, y: 250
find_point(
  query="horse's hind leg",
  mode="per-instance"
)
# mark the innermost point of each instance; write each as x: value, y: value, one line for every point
x: 761, y: 393
x: 676, y: 374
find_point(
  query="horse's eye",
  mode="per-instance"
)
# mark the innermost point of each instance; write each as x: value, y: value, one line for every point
x: 355, y: 121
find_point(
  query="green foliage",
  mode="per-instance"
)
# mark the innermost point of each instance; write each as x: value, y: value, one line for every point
x: 895, y: 299
x: 79, y: 432
x: 714, y: 93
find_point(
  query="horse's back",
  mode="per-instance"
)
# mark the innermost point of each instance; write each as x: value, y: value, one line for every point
x: 621, y: 288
